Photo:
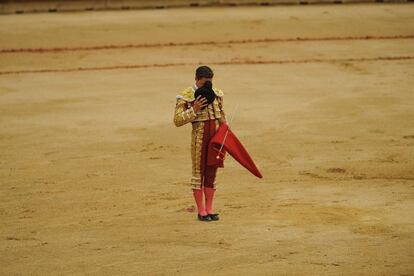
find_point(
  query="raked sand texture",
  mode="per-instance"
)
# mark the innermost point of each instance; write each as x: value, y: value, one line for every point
x: 95, y: 176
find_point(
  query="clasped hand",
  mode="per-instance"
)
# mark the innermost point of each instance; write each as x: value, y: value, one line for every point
x: 199, y: 103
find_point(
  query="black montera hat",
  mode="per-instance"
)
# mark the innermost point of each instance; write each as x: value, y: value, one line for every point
x: 206, y: 91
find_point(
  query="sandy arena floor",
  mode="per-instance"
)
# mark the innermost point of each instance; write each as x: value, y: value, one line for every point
x: 94, y: 174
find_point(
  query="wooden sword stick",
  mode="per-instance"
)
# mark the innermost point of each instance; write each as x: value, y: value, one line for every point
x: 225, y: 136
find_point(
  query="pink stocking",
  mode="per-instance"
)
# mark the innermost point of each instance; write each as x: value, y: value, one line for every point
x: 209, y: 192
x: 198, y: 196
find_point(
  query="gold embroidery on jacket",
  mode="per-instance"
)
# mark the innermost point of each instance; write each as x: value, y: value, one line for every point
x: 184, y: 114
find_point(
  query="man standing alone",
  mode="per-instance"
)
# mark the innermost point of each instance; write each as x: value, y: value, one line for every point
x: 205, y: 114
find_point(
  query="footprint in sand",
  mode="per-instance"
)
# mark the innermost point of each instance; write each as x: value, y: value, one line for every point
x: 336, y: 170
x: 12, y: 239
x: 337, y: 142
x: 154, y: 158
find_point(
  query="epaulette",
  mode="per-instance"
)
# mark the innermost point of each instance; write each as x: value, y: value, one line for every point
x: 187, y: 94
x: 218, y: 92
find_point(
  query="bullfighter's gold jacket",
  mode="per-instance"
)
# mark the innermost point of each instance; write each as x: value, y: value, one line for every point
x: 184, y: 113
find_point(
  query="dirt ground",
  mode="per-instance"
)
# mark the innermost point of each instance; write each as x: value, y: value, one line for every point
x: 95, y: 176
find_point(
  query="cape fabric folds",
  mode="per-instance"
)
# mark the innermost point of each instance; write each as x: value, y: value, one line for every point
x: 232, y: 146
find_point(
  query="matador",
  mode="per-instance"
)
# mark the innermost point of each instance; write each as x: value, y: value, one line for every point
x: 205, y: 115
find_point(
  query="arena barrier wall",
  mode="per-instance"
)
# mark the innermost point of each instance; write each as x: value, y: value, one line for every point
x: 30, y: 6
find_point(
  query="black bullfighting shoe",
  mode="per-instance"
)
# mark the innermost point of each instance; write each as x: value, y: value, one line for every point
x: 214, y: 216
x: 204, y: 218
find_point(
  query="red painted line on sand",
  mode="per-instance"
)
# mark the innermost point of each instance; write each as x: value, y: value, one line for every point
x: 237, y: 62
x: 201, y: 43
